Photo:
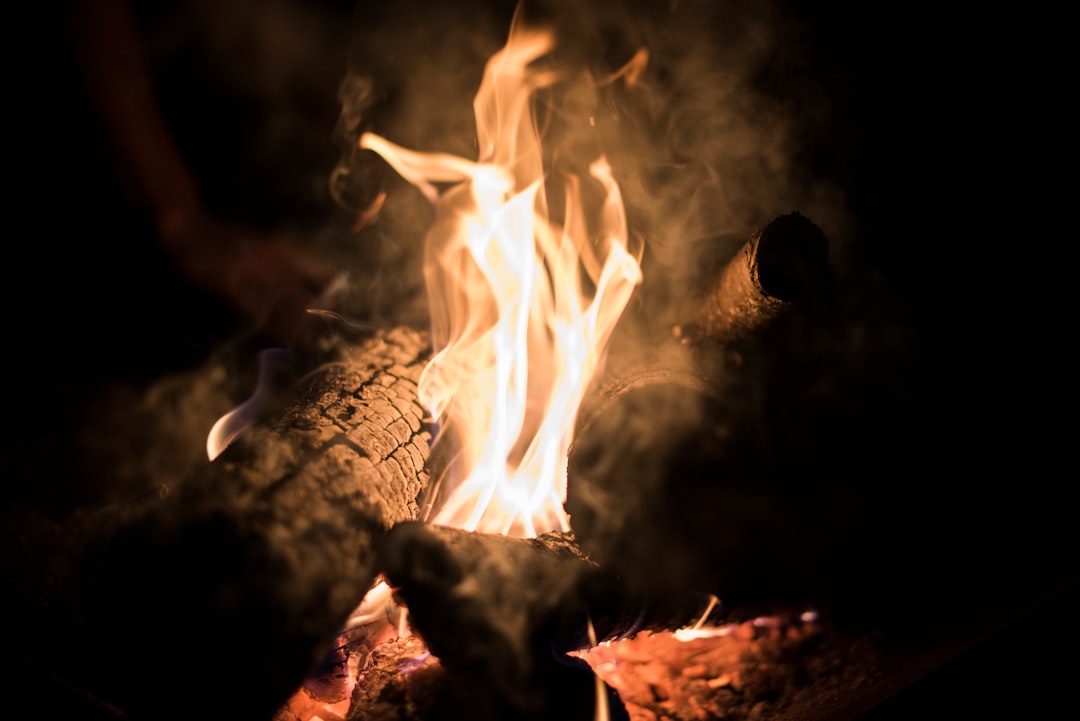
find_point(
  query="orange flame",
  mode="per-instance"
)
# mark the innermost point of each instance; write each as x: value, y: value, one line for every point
x: 522, y: 306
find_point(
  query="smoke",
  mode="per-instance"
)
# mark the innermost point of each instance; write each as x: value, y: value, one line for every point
x: 718, y: 134
x: 708, y: 143
x: 147, y: 437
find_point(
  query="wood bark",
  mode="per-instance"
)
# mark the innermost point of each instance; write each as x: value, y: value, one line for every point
x: 672, y: 477
x: 486, y: 605
x: 745, y: 460
x: 502, y: 613
x: 220, y: 598
x: 785, y: 263
x: 776, y: 459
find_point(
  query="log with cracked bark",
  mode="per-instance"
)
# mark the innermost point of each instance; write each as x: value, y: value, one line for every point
x: 501, y: 614
x: 222, y: 596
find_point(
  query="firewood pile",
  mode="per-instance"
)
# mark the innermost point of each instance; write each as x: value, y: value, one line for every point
x: 812, y: 491
x: 697, y: 500
x: 719, y: 506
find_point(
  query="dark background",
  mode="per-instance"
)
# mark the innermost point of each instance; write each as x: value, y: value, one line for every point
x: 936, y: 147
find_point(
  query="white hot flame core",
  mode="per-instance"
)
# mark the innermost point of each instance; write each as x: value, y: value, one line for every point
x: 522, y: 307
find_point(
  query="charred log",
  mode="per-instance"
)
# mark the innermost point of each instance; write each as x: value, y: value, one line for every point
x: 784, y: 462
x: 501, y: 614
x: 669, y: 474
x: 703, y: 504
x: 738, y: 464
x: 400, y: 687
x: 241, y: 577
x: 400, y: 682
x: 785, y: 263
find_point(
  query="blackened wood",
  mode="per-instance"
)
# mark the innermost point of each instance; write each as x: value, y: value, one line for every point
x: 760, y: 500
x: 801, y: 473
x: 766, y: 458
x: 736, y: 463
x: 403, y: 681
x: 667, y: 488
x: 399, y: 682
x: 785, y: 262
x: 502, y: 613
x: 671, y: 482
x: 218, y: 601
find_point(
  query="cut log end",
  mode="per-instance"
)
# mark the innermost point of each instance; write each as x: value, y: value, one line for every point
x: 785, y: 262
x: 789, y: 259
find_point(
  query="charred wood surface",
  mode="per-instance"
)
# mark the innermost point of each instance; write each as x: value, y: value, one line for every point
x: 403, y: 682
x: 676, y: 476
x: 466, y: 591
x: 785, y: 452
x: 484, y: 605
x: 501, y: 614
x: 241, y: 576
x: 785, y: 263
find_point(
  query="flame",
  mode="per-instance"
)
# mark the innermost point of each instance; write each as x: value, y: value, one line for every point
x: 522, y: 305
x: 272, y: 363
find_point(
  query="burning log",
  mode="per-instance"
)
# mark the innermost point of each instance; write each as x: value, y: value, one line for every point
x: 685, y: 449
x: 777, y: 460
x: 501, y: 614
x: 224, y: 595
x: 705, y: 504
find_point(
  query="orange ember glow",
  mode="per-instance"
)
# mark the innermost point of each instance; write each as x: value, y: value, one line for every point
x: 522, y: 306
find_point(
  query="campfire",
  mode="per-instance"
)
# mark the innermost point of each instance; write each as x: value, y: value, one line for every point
x: 597, y: 485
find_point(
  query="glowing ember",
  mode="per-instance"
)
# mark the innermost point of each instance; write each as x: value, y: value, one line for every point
x: 522, y: 305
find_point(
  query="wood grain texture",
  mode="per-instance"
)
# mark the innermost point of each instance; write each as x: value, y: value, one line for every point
x: 243, y: 574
